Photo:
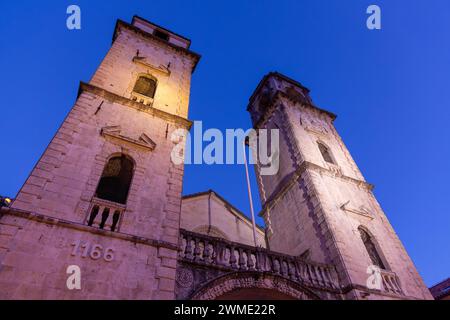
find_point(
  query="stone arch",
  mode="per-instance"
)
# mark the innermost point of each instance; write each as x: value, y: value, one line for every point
x: 115, y: 185
x: 126, y: 154
x: 243, y: 285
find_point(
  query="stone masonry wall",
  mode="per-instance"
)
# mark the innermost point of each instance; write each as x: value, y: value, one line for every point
x: 64, y: 181
x: 320, y: 205
x: 35, y: 253
x: 118, y: 73
x: 361, y: 207
x: 55, y: 201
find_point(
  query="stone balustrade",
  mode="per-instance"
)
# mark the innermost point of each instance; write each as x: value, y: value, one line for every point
x: 141, y: 99
x: 390, y: 282
x: 105, y: 214
x: 211, y: 251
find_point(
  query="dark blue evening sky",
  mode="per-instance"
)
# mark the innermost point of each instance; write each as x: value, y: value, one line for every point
x: 390, y: 89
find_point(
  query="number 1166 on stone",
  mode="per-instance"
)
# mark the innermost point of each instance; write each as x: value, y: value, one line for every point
x: 93, y: 251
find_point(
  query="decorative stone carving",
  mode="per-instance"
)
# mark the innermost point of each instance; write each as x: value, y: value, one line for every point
x: 209, y: 258
x: 184, y: 278
x: 334, y: 170
x: 246, y: 280
x: 208, y: 272
x: 165, y: 70
x: 362, y: 210
x: 114, y: 133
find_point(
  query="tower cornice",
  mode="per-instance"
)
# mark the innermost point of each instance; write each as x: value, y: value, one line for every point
x: 290, y: 180
x: 279, y: 92
x: 67, y: 224
x: 112, y: 97
x: 275, y: 75
x: 122, y: 24
x: 278, y: 96
x: 136, y: 17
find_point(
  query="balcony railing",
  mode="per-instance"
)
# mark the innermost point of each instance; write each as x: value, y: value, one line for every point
x: 390, y: 282
x: 206, y: 250
x: 141, y: 99
x: 105, y: 214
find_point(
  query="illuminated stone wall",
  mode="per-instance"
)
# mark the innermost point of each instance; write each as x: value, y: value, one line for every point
x: 52, y: 209
x: 315, y: 208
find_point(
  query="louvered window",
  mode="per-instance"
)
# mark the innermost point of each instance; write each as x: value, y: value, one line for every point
x: 145, y: 86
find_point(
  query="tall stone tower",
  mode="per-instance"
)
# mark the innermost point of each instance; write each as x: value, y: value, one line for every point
x: 318, y: 205
x: 105, y: 195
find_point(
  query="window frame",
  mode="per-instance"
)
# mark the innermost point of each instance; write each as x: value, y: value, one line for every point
x: 379, y: 252
x: 149, y: 77
x: 328, y: 152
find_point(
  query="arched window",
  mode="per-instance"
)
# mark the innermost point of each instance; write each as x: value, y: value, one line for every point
x: 145, y: 86
x: 116, y: 179
x: 371, y: 248
x: 325, y: 151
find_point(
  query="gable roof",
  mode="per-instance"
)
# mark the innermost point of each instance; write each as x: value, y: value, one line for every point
x: 227, y: 204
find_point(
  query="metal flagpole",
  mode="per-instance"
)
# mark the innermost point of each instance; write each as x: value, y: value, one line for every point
x: 249, y: 192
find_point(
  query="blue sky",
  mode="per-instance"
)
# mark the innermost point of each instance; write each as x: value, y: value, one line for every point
x: 389, y: 89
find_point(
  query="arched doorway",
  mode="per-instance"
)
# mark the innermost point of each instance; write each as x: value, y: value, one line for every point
x: 252, y: 286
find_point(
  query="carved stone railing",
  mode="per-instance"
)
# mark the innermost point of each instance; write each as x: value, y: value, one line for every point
x: 216, y: 252
x: 135, y: 96
x: 105, y: 214
x: 391, y: 283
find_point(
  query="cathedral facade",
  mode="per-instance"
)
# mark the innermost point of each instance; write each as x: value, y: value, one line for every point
x: 106, y: 199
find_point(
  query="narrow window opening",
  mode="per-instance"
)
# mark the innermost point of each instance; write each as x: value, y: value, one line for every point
x: 371, y: 249
x: 325, y: 153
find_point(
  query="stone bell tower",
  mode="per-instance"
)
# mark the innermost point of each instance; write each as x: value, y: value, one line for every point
x: 318, y: 205
x: 105, y: 195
